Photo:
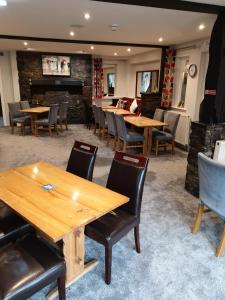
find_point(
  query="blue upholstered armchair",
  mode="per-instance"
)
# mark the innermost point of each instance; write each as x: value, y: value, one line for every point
x: 211, y: 193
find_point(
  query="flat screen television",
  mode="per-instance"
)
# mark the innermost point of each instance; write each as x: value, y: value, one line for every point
x: 56, y: 65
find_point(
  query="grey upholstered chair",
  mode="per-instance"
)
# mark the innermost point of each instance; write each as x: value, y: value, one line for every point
x: 62, y: 117
x: 165, y: 138
x: 128, y: 136
x: 49, y: 122
x: 17, y: 117
x: 102, y: 122
x: 211, y: 193
x: 112, y: 129
x: 24, y: 104
x: 159, y: 114
x: 96, y: 118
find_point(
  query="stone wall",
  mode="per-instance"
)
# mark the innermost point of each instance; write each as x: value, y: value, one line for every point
x: 203, y: 138
x: 30, y: 68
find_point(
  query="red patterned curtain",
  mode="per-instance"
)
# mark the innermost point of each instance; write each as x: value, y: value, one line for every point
x: 98, y: 83
x: 167, y: 93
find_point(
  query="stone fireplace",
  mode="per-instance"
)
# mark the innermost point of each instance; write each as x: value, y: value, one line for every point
x: 46, y: 90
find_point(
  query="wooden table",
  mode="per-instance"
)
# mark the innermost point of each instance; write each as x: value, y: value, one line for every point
x: 120, y: 111
x: 106, y: 107
x: 61, y: 213
x: 147, y: 124
x: 34, y: 112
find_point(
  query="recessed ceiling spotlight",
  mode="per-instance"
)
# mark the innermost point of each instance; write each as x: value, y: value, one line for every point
x: 92, y: 47
x: 3, y: 3
x: 160, y: 39
x: 128, y: 50
x: 87, y: 16
x: 72, y: 33
x: 115, y: 53
x: 201, y: 27
x: 25, y: 43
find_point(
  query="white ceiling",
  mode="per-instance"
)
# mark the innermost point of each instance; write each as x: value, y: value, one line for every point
x: 53, y: 18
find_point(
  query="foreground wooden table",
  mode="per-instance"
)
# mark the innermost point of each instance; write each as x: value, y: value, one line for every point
x: 147, y: 124
x: 61, y: 213
x: 34, y: 112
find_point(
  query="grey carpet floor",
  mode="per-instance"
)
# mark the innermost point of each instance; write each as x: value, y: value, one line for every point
x: 173, y: 264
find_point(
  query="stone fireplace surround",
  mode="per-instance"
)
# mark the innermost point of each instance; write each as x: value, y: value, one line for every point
x: 45, y: 90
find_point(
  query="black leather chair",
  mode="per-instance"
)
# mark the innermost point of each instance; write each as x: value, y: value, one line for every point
x: 28, y: 266
x: 127, y: 176
x: 11, y: 225
x: 82, y: 160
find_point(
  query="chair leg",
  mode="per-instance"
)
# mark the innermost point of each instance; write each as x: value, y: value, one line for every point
x: 173, y: 147
x: 156, y: 147
x: 66, y: 125
x: 56, y: 129
x: 108, y: 139
x: 36, y: 130
x: 124, y: 146
x: 12, y: 128
x: 108, y: 264
x: 115, y: 143
x: 198, y: 218
x: 61, y: 127
x: 221, y: 247
x: 61, y: 282
x: 50, y: 130
x: 137, y: 239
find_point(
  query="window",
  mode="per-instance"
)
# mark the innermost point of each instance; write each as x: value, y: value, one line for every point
x: 147, y: 82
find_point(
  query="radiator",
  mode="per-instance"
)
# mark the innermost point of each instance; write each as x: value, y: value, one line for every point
x: 219, y: 153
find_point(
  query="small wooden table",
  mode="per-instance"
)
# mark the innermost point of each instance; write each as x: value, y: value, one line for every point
x: 34, y: 112
x: 106, y: 107
x: 120, y: 111
x: 147, y: 124
x: 61, y: 213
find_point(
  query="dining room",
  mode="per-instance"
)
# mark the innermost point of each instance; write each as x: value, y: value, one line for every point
x: 112, y: 150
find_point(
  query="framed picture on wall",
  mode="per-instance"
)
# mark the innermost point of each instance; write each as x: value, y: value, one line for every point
x: 147, y: 82
x: 111, y: 83
x: 56, y: 65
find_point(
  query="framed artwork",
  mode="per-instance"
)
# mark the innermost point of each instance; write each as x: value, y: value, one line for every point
x: 55, y: 65
x: 147, y: 82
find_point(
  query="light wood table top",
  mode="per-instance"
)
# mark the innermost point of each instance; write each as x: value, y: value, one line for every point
x: 36, y: 110
x: 71, y: 204
x: 120, y: 111
x: 106, y: 107
x: 144, y: 122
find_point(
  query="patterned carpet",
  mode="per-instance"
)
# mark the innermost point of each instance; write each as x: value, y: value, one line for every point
x: 173, y: 264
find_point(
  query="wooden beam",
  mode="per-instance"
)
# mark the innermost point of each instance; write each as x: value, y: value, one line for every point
x: 68, y: 41
x: 172, y: 4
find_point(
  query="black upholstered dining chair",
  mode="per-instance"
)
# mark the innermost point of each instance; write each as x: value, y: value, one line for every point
x: 27, y: 266
x: 17, y: 117
x: 24, y: 104
x: 112, y: 129
x: 102, y: 122
x: 62, y: 117
x: 82, y: 160
x: 127, y: 177
x: 50, y: 121
x: 96, y: 118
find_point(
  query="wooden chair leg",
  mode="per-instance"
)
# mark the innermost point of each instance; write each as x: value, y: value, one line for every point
x: 124, y: 146
x: 108, y: 264
x: 61, y: 127
x: 56, y: 129
x: 36, y: 130
x: 61, y: 282
x: 198, y: 218
x: 220, y: 249
x: 156, y: 147
x: 12, y: 128
x: 173, y: 147
x: 108, y: 139
x: 66, y: 125
x: 115, y: 143
x: 137, y: 239
x: 50, y: 130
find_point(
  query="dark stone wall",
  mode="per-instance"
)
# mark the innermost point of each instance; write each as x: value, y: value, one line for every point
x: 30, y: 68
x: 203, y: 138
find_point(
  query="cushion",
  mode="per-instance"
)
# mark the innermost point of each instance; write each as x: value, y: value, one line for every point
x: 133, y: 106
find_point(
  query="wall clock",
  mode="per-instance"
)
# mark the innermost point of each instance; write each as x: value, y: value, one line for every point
x: 192, y: 71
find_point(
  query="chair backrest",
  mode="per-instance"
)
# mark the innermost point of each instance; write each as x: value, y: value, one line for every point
x: 24, y: 104
x: 102, y: 120
x: 95, y: 114
x: 98, y: 113
x: 82, y: 159
x: 14, y: 108
x: 212, y: 184
x: 53, y: 113
x: 127, y: 177
x: 63, y: 109
x: 111, y: 122
x: 121, y: 126
x: 172, y: 120
x: 159, y: 114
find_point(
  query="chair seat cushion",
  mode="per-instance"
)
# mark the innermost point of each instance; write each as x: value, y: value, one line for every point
x: 24, y: 120
x: 111, y: 227
x: 134, y: 137
x: 163, y: 136
x: 12, y: 226
x: 27, y: 266
x: 42, y: 122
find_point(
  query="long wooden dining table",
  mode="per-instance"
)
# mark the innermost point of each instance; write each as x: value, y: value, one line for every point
x: 59, y: 205
x: 147, y: 124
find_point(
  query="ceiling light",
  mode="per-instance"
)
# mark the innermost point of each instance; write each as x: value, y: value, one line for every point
x: 3, y: 3
x: 115, y: 53
x: 201, y: 27
x: 25, y: 43
x: 160, y: 39
x: 92, y: 47
x: 87, y: 16
x: 72, y: 33
x: 129, y: 50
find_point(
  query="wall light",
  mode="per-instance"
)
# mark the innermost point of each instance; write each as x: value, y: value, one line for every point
x: 201, y: 27
x: 129, y: 50
x: 160, y: 39
x: 92, y: 47
x: 115, y: 53
x: 87, y: 16
x: 25, y: 43
x: 72, y: 33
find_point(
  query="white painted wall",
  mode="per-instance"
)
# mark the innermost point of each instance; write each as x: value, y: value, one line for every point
x: 9, y: 85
